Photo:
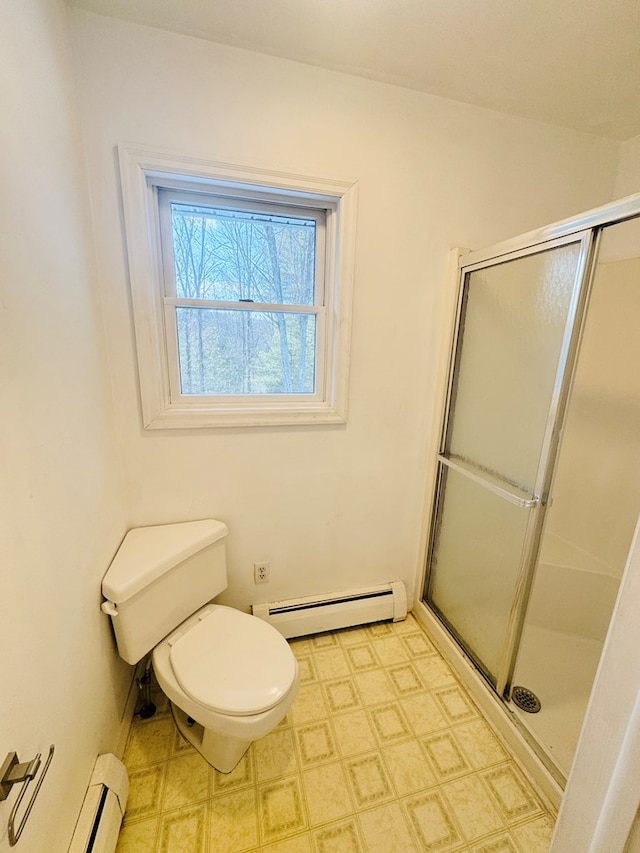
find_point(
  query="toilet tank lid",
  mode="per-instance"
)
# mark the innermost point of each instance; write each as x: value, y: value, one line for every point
x: 146, y: 553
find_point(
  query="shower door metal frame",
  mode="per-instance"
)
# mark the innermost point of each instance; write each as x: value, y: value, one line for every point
x: 534, y: 503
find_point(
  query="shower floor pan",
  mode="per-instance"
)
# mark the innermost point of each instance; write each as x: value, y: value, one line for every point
x: 559, y: 669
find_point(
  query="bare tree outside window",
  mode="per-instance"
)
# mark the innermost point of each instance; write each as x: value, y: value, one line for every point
x: 253, y: 262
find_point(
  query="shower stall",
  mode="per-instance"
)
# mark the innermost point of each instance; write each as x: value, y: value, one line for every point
x: 537, y: 474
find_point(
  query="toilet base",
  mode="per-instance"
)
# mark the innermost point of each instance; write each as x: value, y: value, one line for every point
x: 219, y: 751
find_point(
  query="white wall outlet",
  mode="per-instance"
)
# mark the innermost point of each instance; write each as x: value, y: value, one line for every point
x: 262, y: 572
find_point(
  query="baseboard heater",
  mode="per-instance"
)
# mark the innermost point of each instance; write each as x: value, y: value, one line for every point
x: 104, y: 803
x: 298, y: 617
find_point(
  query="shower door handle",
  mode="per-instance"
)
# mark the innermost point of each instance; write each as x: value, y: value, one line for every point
x: 509, y: 495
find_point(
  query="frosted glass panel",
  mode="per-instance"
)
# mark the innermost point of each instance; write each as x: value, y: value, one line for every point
x: 596, y: 500
x: 475, y: 565
x: 512, y: 330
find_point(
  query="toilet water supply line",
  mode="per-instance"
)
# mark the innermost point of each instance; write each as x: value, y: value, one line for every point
x: 147, y: 709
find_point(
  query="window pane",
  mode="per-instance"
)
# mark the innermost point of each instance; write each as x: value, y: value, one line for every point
x: 230, y: 255
x: 246, y: 352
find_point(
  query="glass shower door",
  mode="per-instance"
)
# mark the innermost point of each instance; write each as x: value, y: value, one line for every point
x: 514, y: 342
x: 595, y: 501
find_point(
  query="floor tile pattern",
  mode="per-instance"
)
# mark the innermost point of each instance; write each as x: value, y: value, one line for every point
x: 383, y: 751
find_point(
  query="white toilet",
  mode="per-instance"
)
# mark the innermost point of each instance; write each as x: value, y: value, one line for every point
x: 231, y: 673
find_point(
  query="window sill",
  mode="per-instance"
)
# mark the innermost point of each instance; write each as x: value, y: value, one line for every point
x: 177, y: 417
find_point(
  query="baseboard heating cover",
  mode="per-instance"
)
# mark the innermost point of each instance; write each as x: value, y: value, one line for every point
x: 298, y: 617
x: 104, y: 803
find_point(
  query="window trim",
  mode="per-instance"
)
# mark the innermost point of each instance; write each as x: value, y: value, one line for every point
x: 142, y: 172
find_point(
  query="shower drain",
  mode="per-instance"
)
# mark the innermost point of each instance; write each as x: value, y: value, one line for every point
x: 526, y: 699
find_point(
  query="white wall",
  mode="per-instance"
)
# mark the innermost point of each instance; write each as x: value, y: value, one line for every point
x: 331, y: 507
x: 628, y: 178
x: 61, y: 499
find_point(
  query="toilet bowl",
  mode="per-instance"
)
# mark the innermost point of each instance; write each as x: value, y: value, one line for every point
x: 230, y: 677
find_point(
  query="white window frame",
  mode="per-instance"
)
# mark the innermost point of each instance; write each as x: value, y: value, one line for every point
x: 144, y: 173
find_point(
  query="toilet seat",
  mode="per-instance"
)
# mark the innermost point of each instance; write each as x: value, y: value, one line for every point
x: 232, y: 663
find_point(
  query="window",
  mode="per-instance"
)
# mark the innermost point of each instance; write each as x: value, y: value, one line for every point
x: 244, y: 295
x: 241, y: 286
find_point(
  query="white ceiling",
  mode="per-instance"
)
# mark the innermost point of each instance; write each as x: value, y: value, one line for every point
x: 574, y: 63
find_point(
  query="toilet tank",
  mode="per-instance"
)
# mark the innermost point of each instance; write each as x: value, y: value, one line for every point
x: 159, y: 577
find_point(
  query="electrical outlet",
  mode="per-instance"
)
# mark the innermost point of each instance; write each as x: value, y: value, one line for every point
x: 262, y: 572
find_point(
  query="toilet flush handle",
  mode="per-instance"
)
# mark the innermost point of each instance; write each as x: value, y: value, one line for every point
x: 109, y: 608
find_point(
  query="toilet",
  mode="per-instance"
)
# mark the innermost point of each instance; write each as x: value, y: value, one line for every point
x: 230, y: 677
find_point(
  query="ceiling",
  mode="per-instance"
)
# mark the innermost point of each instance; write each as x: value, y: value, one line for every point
x: 574, y: 63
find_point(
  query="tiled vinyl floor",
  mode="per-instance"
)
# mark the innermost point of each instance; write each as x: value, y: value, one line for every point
x: 382, y: 752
